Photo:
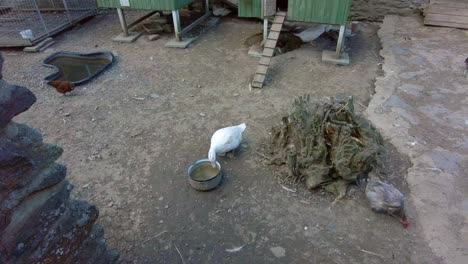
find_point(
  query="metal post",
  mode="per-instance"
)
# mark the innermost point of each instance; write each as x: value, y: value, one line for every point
x: 207, y: 6
x: 40, y: 16
x: 123, y: 23
x: 176, y: 19
x: 265, y: 30
x: 340, y: 43
x: 67, y: 10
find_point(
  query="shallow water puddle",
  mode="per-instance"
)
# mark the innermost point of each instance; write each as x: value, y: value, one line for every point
x: 77, y: 68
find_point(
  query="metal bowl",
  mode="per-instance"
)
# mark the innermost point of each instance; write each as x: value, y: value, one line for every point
x: 211, y: 182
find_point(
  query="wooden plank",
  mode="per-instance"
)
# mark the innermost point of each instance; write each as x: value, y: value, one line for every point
x: 259, y: 78
x: 257, y: 84
x: 447, y: 18
x: 268, y: 52
x: 262, y: 69
x: 279, y: 19
x: 265, y: 61
x: 276, y: 27
x: 273, y: 35
x: 445, y: 24
x: 447, y: 11
x: 270, y: 44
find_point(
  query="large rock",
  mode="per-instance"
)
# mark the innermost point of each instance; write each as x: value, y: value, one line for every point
x: 13, y: 101
x: 38, y: 221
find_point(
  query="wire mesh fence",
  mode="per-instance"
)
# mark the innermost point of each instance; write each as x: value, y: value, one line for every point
x: 26, y: 22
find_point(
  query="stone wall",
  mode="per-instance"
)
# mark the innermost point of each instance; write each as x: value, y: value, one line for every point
x: 38, y: 221
x: 375, y: 10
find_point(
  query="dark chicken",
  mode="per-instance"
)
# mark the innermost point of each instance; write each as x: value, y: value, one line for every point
x: 384, y: 198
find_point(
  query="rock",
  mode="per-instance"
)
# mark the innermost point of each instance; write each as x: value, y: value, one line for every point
x: 32, y: 217
x: 202, y: 114
x: 153, y: 37
x: 313, y: 33
x: 38, y: 221
x: 13, y: 101
x: 221, y: 11
x: 235, y: 94
x: 153, y: 28
x: 279, y: 252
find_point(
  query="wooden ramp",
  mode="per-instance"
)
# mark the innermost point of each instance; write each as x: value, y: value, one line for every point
x: 268, y: 50
x: 447, y: 13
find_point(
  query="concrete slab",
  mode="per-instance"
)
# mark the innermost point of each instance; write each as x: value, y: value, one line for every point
x: 132, y: 36
x: 46, y: 46
x: 184, y: 43
x: 420, y: 105
x: 330, y: 56
x: 193, y: 35
x: 255, y: 51
x: 40, y: 46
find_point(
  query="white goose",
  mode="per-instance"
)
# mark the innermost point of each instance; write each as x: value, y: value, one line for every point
x: 225, y: 140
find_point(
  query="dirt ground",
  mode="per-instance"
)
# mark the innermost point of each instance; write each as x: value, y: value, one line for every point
x: 130, y: 135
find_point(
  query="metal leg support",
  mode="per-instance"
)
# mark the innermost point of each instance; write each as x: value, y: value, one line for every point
x: 177, y: 28
x: 265, y: 30
x: 340, y: 43
x: 123, y: 23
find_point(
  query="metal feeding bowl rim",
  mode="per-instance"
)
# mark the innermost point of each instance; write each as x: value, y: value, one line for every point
x: 198, y: 162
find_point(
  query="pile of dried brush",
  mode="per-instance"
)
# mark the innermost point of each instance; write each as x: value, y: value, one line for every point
x: 324, y: 143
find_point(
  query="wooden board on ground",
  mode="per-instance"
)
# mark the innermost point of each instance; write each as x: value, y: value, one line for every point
x: 447, y: 13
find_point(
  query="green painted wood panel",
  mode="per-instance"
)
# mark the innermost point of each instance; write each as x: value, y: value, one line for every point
x: 250, y: 8
x: 165, y: 5
x: 319, y: 11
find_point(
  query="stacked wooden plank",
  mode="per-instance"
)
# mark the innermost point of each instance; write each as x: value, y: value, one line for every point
x: 269, y: 50
x: 447, y: 13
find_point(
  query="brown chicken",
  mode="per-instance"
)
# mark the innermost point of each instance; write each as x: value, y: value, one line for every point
x: 63, y: 87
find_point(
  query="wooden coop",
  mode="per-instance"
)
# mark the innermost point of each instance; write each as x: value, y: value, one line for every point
x: 173, y: 6
x: 332, y: 12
